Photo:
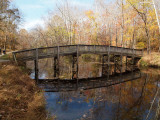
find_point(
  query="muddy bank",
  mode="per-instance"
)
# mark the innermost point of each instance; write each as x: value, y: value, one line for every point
x: 20, y: 98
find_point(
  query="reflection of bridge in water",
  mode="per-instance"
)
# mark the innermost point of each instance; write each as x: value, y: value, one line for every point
x: 59, y: 85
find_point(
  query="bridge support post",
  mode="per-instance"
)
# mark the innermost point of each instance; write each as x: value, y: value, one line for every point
x: 56, y: 64
x: 56, y: 67
x: 121, y: 64
x: 75, y: 65
x: 14, y: 57
x: 115, y: 65
x: 36, y: 70
x: 126, y: 62
x: 36, y: 66
x: 133, y: 60
x: 105, y: 65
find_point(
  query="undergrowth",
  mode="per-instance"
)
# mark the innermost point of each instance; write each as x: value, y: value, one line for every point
x: 152, y: 60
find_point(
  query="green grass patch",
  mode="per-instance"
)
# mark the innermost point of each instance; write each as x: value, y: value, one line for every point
x: 5, y: 57
x: 143, y: 63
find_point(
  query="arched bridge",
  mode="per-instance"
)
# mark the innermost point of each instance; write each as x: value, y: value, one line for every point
x: 109, y: 54
x: 46, y: 52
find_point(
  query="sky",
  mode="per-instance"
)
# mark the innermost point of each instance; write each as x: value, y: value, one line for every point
x: 34, y: 10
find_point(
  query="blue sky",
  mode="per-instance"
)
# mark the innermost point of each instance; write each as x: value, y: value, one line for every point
x: 33, y: 10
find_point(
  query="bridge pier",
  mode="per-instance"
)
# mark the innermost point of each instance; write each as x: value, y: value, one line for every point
x: 106, y: 58
x: 36, y: 66
x: 117, y: 63
x: 126, y: 62
x: 36, y: 69
x: 75, y: 66
x: 105, y: 65
x: 56, y: 67
x: 56, y: 63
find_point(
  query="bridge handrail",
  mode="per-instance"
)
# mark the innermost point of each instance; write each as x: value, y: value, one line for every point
x: 72, y: 45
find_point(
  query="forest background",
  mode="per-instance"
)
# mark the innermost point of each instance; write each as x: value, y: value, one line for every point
x: 122, y: 23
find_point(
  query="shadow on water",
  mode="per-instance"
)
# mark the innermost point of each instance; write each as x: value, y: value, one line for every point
x: 124, y: 94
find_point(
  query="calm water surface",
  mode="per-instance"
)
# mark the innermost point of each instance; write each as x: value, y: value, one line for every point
x: 129, y: 100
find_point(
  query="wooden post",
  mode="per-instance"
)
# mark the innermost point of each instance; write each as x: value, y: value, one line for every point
x: 115, y: 64
x: 109, y: 60
x: 58, y: 50
x: 74, y: 67
x: 133, y: 56
x: 36, y: 65
x: 56, y: 64
x: 14, y: 57
x: 121, y: 58
x: 102, y: 65
x: 105, y: 67
x: 126, y: 63
x: 55, y: 67
x: 77, y: 60
x: 75, y: 64
x: 108, y: 68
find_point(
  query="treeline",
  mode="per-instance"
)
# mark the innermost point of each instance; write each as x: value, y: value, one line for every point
x: 126, y: 23
x: 9, y: 19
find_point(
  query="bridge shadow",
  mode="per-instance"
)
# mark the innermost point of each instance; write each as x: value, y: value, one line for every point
x: 62, y: 85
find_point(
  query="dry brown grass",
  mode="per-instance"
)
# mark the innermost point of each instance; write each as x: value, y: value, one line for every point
x: 20, y: 98
x: 152, y: 60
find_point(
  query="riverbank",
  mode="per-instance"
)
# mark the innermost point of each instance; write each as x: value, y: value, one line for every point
x: 20, y: 98
x: 152, y: 60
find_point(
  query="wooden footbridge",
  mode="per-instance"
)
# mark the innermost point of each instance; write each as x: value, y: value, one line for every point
x: 109, y: 53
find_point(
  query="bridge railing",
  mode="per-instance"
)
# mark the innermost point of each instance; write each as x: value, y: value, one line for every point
x: 47, y: 51
x: 67, y: 49
x: 92, y: 48
x: 72, y: 49
x: 25, y: 54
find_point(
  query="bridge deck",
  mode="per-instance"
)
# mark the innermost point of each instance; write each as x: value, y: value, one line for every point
x: 47, y: 52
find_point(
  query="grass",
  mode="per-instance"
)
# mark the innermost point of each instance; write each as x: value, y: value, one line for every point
x: 152, y: 60
x: 5, y: 57
x: 20, y: 98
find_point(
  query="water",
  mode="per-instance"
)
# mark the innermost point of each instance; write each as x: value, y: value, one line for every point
x: 123, y: 97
